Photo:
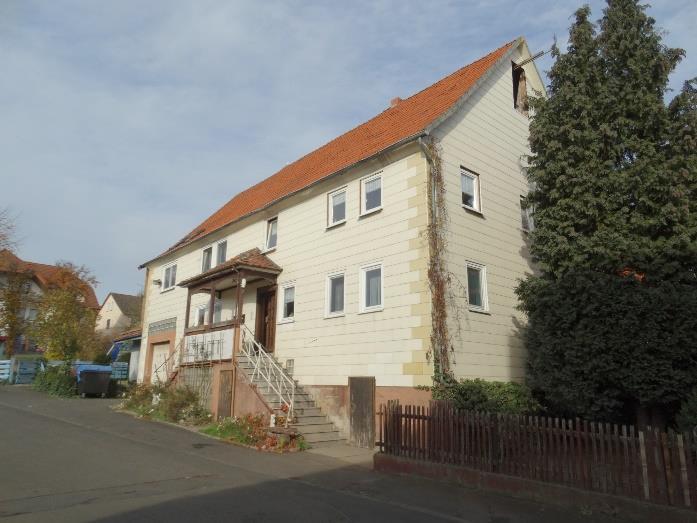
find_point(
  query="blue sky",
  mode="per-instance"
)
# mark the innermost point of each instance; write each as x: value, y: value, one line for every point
x: 124, y: 124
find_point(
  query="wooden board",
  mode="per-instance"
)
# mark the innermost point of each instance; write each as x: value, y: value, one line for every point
x: 362, y: 411
x: 225, y: 394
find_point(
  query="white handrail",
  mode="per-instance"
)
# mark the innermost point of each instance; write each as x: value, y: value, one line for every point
x: 170, y: 363
x: 264, y: 366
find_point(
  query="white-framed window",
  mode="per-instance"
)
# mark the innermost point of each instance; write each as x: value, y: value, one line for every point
x: 221, y: 252
x: 271, y: 233
x: 371, y: 288
x: 371, y: 194
x: 526, y: 219
x: 471, y: 197
x: 287, y: 302
x: 169, y: 277
x: 201, y: 314
x: 336, y: 207
x: 336, y: 294
x: 476, y: 287
x: 207, y: 259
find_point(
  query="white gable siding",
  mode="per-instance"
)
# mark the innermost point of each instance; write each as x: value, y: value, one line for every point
x: 488, y: 136
x: 389, y: 344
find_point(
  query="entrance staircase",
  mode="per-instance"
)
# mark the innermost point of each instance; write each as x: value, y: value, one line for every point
x: 283, y: 395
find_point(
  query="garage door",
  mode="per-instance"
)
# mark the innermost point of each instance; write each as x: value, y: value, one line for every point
x: 160, y: 351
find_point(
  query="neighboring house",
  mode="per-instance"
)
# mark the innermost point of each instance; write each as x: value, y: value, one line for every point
x: 328, y: 258
x: 41, y: 277
x: 118, y: 312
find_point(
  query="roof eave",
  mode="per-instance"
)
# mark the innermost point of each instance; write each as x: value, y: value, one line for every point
x: 483, y: 78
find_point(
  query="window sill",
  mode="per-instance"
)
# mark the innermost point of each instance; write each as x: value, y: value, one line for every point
x: 285, y: 321
x: 334, y: 315
x: 480, y: 311
x: 269, y: 250
x: 168, y: 289
x: 371, y: 211
x: 370, y: 311
x: 333, y: 225
x: 472, y: 210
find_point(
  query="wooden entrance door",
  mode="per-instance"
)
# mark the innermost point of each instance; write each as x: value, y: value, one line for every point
x: 362, y: 411
x: 266, y: 317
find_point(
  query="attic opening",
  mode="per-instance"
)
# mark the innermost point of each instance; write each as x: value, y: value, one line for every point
x: 520, y: 91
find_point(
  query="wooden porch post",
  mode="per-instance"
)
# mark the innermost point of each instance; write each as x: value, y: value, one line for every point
x: 237, y: 338
x: 188, y: 309
x: 211, y: 306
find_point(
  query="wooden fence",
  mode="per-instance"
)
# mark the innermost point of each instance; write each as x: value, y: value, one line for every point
x: 650, y: 465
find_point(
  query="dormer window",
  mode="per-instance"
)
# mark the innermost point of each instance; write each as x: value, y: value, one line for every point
x: 520, y: 90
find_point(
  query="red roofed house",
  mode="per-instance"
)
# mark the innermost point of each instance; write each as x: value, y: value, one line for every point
x: 320, y: 272
x: 42, y: 277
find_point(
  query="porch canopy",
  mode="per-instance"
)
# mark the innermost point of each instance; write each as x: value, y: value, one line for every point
x: 246, y: 267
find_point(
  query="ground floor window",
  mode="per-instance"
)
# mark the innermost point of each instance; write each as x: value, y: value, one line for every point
x: 371, y: 288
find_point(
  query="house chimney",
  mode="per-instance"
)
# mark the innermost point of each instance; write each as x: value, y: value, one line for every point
x: 395, y: 101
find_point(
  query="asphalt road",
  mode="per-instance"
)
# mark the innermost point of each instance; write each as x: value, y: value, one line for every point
x: 78, y: 460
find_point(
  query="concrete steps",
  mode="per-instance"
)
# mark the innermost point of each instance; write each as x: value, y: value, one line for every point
x: 314, y: 426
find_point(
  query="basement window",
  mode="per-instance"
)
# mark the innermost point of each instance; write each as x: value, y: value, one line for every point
x: 520, y: 90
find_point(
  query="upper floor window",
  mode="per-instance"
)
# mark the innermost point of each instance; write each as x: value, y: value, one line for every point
x: 371, y: 194
x: 371, y: 288
x: 222, y: 252
x: 335, y: 294
x: 470, y: 190
x: 520, y: 90
x: 201, y: 314
x: 476, y: 287
x: 526, y: 219
x: 336, y: 202
x: 207, y: 259
x: 108, y: 324
x: 169, y: 278
x: 271, y: 233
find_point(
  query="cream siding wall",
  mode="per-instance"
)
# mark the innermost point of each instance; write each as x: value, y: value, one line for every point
x: 391, y: 344
x: 111, y: 311
x: 488, y: 136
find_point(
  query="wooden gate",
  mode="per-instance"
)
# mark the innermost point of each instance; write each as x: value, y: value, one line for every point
x: 362, y: 411
x: 225, y: 394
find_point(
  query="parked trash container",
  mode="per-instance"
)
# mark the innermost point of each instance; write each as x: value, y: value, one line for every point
x: 93, y: 380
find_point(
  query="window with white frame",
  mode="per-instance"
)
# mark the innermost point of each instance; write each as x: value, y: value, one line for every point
x: 271, y: 233
x: 288, y: 302
x: 526, y: 220
x: 471, y: 197
x: 221, y: 252
x: 371, y: 288
x: 206, y: 259
x: 476, y: 287
x: 335, y: 294
x: 371, y: 194
x: 336, y: 207
x: 169, y: 278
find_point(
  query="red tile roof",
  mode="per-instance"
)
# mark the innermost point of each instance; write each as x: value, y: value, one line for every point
x: 251, y: 259
x: 405, y: 119
x: 45, y: 275
x: 129, y: 334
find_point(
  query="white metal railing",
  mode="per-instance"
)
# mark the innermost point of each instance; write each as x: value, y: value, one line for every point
x: 207, y: 346
x: 267, y: 369
x: 169, y: 365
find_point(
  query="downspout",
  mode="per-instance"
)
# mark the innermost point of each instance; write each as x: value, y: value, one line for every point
x: 429, y: 159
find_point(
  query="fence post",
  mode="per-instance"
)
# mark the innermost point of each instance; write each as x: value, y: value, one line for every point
x: 644, y: 464
x: 683, y: 471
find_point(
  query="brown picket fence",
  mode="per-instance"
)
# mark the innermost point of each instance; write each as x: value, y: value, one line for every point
x: 649, y: 464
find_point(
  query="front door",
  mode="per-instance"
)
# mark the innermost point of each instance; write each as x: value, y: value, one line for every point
x: 266, y: 317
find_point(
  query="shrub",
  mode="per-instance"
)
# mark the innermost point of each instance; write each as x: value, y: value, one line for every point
x: 686, y: 419
x: 57, y: 381
x: 177, y: 404
x: 487, y: 396
x: 102, y: 358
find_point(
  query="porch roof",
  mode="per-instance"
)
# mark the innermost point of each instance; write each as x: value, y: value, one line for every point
x: 252, y: 260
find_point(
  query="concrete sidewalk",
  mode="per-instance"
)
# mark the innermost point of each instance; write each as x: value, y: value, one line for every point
x: 78, y: 460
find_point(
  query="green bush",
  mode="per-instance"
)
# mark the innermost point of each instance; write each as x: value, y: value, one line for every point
x: 686, y: 419
x: 177, y: 404
x: 487, y: 396
x: 57, y: 381
x: 102, y: 359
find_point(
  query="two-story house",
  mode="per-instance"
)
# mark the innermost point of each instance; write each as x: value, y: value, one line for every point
x: 118, y: 313
x: 355, y: 260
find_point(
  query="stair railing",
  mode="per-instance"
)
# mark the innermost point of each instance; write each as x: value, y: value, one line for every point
x: 170, y: 364
x: 265, y: 367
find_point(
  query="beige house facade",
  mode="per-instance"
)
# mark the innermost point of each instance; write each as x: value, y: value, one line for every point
x: 328, y: 271
x: 118, y: 313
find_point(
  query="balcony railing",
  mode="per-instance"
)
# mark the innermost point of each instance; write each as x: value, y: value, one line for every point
x: 207, y: 346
